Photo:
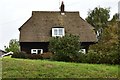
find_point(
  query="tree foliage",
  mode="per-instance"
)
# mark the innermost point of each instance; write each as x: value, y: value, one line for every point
x: 65, y: 48
x: 98, y: 17
x: 115, y: 17
x: 13, y: 46
x: 107, y: 49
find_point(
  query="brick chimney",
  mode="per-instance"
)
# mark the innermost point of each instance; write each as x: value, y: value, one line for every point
x: 62, y: 7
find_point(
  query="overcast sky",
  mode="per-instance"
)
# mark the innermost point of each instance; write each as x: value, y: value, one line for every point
x: 14, y: 13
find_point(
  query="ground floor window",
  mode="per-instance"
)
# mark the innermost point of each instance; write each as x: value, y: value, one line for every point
x: 36, y: 51
x: 83, y: 51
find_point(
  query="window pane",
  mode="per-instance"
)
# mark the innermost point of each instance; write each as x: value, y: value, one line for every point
x: 34, y: 51
x: 60, y: 31
x: 55, y: 31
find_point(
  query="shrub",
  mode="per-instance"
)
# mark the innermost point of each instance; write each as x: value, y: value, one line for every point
x: 60, y: 56
x: 19, y: 55
x: 26, y: 56
x: 113, y: 57
x: 46, y: 55
x: 34, y: 56
x: 92, y: 57
x: 65, y: 48
x: 13, y: 46
x: 108, y: 47
x: 99, y: 57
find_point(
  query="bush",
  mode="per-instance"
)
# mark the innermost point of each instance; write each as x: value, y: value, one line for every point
x: 34, y: 56
x: 46, y: 55
x: 13, y: 46
x: 92, y: 57
x: 113, y: 57
x: 108, y: 47
x: 26, y: 56
x: 65, y: 48
x: 102, y: 58
x: 60, y: 57
x: 19, y: 55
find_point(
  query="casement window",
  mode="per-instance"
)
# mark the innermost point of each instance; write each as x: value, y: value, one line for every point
x: 83, y: 51
x: 33, y: 51
x: 36, y: 51
x: 58, y: 32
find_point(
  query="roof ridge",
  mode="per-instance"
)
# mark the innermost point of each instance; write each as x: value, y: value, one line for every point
x: 56, y: 11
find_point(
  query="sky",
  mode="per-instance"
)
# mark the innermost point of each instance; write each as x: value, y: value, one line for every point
x: 14, y: 13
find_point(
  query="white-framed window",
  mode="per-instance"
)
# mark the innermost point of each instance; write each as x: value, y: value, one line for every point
x: 58, y: 32
x: 83, y: 51
x: 33, y: 51
x: 36, y: 51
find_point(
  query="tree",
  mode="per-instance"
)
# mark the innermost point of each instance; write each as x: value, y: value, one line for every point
x: 65, y: 48
x: 115, y: 17
x: 13, y: 46
x: 98, y: 17
x: 108, y: 47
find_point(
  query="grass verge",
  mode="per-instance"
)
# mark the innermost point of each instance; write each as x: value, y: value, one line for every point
x: 25, y: 68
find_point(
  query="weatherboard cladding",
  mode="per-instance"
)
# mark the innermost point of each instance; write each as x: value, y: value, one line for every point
x: 39, y: 25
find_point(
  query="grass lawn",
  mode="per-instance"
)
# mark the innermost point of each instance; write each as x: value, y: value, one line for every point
x: 25, y: 68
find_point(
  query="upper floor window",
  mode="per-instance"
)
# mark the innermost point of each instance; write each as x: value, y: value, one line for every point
x: 58, y: 32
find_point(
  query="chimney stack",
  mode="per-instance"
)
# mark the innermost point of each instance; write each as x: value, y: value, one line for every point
x: 62, y: 7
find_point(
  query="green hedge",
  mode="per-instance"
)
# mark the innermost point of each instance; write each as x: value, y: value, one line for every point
x: 26, y: 56
x: 32, y: 56
x: 102, y: 58
x: 93, y: 57
x: 19, y: 55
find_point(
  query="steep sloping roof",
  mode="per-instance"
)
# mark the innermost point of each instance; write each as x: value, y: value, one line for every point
x: 38, y: 27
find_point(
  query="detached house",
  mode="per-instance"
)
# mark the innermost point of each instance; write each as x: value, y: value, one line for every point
x: 36, y: 32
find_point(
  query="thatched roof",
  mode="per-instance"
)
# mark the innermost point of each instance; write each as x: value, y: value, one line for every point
x: 38, y: 27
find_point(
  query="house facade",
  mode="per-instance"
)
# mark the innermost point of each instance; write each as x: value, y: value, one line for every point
x: 36, y: 32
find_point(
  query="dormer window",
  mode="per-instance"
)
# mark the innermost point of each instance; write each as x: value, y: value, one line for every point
x: 58, y: 32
